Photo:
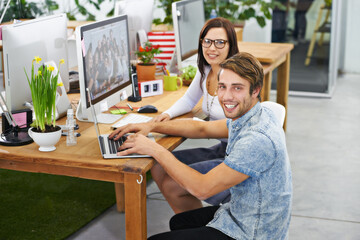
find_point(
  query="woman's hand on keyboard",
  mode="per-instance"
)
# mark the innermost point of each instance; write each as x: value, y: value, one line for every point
x: 161, y: 118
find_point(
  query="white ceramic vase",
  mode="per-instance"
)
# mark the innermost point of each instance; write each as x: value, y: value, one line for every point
x: 46, y: 141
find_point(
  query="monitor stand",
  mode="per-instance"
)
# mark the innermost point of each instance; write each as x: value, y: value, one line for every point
x: 15, y: 137
x: 85, y: 116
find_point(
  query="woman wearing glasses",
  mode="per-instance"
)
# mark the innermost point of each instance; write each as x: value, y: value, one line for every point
x: 217, y: 42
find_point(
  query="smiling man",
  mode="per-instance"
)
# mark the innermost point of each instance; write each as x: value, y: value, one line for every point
x: 256, y: 168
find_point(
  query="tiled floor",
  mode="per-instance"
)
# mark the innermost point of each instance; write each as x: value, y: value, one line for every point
x: 324, y: 149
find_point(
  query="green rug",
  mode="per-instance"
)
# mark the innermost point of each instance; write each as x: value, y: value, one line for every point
x: 42, y: 206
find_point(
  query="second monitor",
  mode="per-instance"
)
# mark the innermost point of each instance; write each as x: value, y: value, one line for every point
x: 45, y: 37
x: 188, y: 19
x: 104, y: 66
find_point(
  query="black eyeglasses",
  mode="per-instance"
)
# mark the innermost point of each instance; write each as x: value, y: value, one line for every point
x: 218, y: 43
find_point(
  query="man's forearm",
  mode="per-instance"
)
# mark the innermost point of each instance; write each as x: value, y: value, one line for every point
x: 178, y: 170
x: 183, y: 128
x: 192, y: 129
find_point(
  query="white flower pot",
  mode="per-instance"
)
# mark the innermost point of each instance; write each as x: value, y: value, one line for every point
x: 46, y: 141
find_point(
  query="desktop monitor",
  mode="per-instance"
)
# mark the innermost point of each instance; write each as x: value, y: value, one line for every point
x: 188, y: 19
x: 45, y: 37
x: 103, y: 65
x: 140, y: 15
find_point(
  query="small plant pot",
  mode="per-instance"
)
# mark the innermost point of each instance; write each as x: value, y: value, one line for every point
x: 145, y: 72
x: 46, y: 140
x: 187, y: 82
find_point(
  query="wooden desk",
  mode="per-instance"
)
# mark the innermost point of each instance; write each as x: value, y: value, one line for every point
x: 272, y: 55
x: 85, y: 161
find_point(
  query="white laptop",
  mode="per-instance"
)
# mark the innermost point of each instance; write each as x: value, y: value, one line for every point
x: 108, y: 147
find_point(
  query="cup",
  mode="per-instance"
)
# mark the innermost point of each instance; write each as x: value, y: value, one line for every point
x: 172, y: 82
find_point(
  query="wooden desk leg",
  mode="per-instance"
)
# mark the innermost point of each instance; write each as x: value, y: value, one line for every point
x: 120, y: 197
x: 283, y: 76
x: 135, y: 207
x: 265, y: 92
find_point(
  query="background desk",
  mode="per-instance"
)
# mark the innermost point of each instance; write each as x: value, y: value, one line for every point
x: 272, y: 55
x: 85, y: 161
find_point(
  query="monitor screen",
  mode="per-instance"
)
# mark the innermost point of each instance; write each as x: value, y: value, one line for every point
x: 104, y: 62
x: 188, y: 20
x: 45, y: 37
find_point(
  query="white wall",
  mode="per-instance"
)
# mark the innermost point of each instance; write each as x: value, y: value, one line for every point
x: 254, y: 33
x: 351, y: 46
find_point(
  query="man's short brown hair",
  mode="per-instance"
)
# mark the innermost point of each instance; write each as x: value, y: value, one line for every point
x: 246, y: 66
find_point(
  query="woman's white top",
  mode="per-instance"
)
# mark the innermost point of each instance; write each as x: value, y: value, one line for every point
x: 210, y: 105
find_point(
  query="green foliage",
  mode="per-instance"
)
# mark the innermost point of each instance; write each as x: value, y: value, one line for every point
x: 81, y: 8
x: 234, y: 10
x: 21, y: 9
x: 43, y: 85
x: 328, y: 3
x: 166, y: 6
x: 188, y: 72
x: 146, y: 54
x: 243, y: 9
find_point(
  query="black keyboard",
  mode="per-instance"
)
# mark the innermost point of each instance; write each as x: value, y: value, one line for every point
x: 112, y: 144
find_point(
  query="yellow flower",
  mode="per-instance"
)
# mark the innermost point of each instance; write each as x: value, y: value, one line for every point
x: 37, y: 59
x: 50, y: 68
x: 39, y: 73
x: 62, y: 61
x: 60, y: 84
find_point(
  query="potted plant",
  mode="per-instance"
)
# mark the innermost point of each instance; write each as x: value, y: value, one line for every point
x: 188, y: 74
x: 43, y: 85
x: 147, y: 66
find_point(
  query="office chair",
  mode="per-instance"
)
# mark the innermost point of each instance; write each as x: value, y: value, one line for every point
x: 278, y: 109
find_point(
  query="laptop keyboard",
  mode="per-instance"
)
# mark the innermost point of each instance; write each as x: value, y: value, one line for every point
x: 113, y: 145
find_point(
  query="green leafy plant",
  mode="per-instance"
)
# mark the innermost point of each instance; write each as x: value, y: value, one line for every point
x: 166, y: 6
x: 241, y: 10
x: 81, y: 8
x: 234, y: 10
x: 146, y: 54
x: 21, y: 9
x: 188, y: 73
x: 43, y: 85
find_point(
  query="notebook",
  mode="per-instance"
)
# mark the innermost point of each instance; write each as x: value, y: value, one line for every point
x: 108, y: 147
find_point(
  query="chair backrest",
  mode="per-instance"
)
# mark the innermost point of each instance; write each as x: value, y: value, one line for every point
x: 278, y: 109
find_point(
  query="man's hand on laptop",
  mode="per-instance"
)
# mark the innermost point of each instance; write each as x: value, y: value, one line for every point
x: 140, y: 144
x: 142, y: 128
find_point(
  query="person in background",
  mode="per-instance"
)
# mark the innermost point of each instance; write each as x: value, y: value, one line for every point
x: 217, y: 42
x: 302, y: 7
x: 256, y: 166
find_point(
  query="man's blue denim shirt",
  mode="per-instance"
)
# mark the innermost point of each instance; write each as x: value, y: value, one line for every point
x: 260, y: 206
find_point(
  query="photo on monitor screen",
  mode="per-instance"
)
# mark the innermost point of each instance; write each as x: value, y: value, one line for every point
x: 106, y: 58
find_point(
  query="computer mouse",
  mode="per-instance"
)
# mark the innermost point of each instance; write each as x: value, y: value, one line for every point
x: 147, y: 109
